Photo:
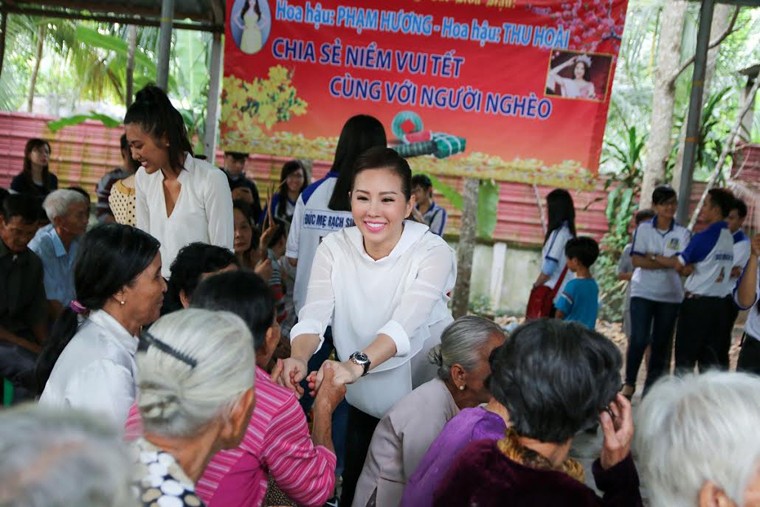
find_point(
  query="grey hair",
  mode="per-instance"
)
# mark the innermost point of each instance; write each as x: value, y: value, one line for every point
x: 176, y: 399
x: 57, y: 202
x: 698, y: 428
x: 57, y: 458
x: 461, y: 343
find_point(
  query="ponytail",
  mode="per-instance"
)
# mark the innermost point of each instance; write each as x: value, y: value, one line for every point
x: 154, y: 113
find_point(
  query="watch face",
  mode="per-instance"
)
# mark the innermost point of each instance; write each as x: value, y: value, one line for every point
x: 361, y: 357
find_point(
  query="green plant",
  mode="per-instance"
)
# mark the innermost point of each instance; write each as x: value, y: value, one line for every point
x: 623, y: 187
x: 68, y: 121
x: 488, y: 203
x: 715, y: 124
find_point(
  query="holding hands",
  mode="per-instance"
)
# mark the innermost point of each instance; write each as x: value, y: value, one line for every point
x: 331, y: 378
x: 330, y: 393
x: 289, y: 373
x: 341, y: 373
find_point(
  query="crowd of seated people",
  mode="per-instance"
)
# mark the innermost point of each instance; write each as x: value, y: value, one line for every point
x: 148, y: 362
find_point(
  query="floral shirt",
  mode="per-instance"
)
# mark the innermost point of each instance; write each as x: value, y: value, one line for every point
x: 159, y: 481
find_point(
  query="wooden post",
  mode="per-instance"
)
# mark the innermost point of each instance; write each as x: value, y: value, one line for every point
x: 460, y: 304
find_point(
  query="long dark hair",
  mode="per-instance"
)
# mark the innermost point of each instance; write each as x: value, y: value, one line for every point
x: 110, y: 257
x: 360, y: 133
x: 31, y: 145
x: 288, y: 168
x: 245, y: 8
x: 156, y: 115
x: 561, y: 209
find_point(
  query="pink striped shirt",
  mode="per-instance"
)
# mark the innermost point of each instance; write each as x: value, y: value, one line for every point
x: 276, y: 443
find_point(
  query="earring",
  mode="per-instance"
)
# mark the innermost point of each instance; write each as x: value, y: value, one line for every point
x: 122, y: 303
x: 461, y: 388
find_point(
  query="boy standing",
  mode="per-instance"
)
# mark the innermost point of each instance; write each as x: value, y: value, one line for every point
x: 701, y: 336
x: 579, y: 300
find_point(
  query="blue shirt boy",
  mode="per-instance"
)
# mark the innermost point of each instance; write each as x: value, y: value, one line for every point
x: 579, y: 301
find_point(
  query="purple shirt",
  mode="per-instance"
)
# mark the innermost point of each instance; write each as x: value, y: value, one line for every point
x: 469, y: 425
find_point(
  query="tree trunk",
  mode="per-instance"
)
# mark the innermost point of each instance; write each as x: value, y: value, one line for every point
x: 460, y: 304
x: 131, y: 48
x: 720, y: 23
x: 663, y: 99
x: 36, y: 69
x: 3, y: 35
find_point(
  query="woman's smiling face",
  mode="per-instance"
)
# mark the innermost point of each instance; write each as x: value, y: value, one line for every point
x: 379, y: 207
x: 151, y: 153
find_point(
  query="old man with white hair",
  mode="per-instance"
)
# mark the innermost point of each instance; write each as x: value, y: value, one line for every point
x: 698, y: 443
x: 56, y: 457
x: 57, y: 244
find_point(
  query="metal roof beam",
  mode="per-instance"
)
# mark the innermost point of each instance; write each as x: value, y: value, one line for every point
x: 207, y: 26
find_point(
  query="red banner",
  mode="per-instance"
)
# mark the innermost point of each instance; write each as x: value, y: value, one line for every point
x: 510, y: 89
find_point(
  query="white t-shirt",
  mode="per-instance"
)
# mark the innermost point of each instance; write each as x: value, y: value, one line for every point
x: 742, y: 249
x: 96, y: 370
x: 554, y: 251
x: 203, y: 211
x: 663, y: 285
x: 403, y: 295
x: 312, y: 221
x: 712, y: 254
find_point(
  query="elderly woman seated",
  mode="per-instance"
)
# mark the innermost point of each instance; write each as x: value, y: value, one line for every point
x: 697, y: 441
x: 88, y: 362
x: 404, y: 434
x: 484, y: 422
x: 61, y: 457
x: 277, y: 444
x: 195, y: 397
x: 555, y: 379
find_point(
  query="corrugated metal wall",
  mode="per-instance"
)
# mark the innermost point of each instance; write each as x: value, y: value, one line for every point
x: 83, y: 153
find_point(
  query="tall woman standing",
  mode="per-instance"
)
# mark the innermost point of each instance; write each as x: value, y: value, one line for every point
x: 328, y: 199
x: 383, y: 286
x: 180, y: 199
x: 560, y: 228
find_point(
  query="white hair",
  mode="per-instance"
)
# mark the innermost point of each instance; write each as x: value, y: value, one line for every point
x: 462, y: 343
x: 176, y: 399
x: 58, y: 458
x: 698, y: 428
x: 57, y: 202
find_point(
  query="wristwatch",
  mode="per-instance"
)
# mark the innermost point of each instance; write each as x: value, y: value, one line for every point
x: 362, y: 360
